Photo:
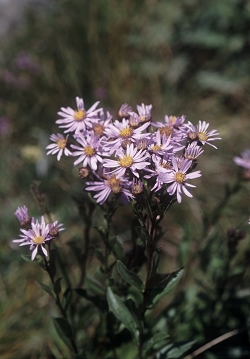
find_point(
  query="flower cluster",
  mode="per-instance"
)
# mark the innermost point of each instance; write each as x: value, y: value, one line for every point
x: 124, y: 155
x: 37, y: 234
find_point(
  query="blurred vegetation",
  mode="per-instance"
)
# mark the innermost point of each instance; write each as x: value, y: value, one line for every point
x: 185, y: 57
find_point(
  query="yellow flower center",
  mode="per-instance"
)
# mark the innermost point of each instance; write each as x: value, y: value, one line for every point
x: 126, y: 161
x: 156, y: 148
x: 167, y: 131
x: 202, y: 136
x: 180, y: 177
x: 98, y: 130
x: 114, y: 184
x: 172, y: 119
x: 79, y: 115
x: 143, y: 118
x: 89, y: 151
x: 61, y: 143
x: 126, y: 132
x: 165, y: 165
x: 38, y: 240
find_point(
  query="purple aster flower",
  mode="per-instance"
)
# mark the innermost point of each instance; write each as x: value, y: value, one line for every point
x: 144, y: 112
x: 159, y: 145
x: 244, y: 160
x: 130, y: 159
x: 36, y: 237
x: 101, y: 124
x: 178, y: 177
x: 55, y: 228
x: 77, y: 120
x: 200, y: 133
x: 23, y: 217
x: 121, y: 133
x: 89, y: 153
x: 193, y: 151
x: 124, y: 111
x: 59, y: 147
x: 115, y: 184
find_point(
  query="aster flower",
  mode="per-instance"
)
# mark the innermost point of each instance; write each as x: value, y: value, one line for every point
x: 89, y: 153
x: 200, y: 133
x: 144, y: 112
x: 59, y: 147
x: 115, y: 184
x: 244, y: 160
x: 124, y: 111
x: 121, y: 134
x: 101, y: 124
x: 172, y: 127
x: 178, y: 176
x: 193, y: 151
x: 22, y: 215
x: 55, y: 228
x: 36, y: 237
x: 130, y: 159
x: 77, y: 120
x: 159, y: 145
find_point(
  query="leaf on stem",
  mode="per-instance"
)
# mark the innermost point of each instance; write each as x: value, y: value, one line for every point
x: 129, y: 276
x: 64, y: 331
x: 57, y: 286
x: 46, y: 288
x: 97, y: 301
x: 95, y: 286
x: 164, y: 286
x: 155, y: 339
x: 121, y: 312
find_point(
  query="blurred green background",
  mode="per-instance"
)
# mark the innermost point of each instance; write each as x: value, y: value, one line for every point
x: 186, y: 57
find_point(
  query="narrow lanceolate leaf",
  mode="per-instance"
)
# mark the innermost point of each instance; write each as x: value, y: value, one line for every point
x: 121, y: 312
x: 164, y: 286
x: 57, y: 286
x: 64, y: 330
x: 46, y: 288
x: 155, y: 339
x: 129, y: 276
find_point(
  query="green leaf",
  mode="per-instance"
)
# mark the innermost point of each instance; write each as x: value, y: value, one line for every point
x: 164, y: 286
x: 155, y: 339
x: 95, y: 286
x: 129, y: 276
x: 155, y: 262
x: 97, y: 301
x: 178, y: 349
x: 66, y: 298
x: 64, y: 330
x: 118, y: 250
x: 27, y: 258
x: 46, y: 288
x: 57, y: 286
x: 121, y: 312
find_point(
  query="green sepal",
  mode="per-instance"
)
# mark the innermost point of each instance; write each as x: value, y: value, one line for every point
x: 47, y: 289
x: 57, y: 286
x: 122, y: 313
x: 129, y: 276
x: 164, y: 286
x: 155, y: 339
